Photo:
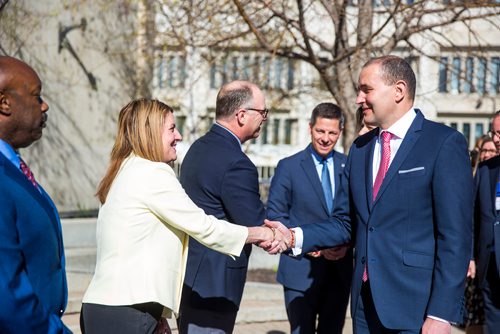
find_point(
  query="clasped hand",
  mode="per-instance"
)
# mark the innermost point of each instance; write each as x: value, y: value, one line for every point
x: 280, y: 239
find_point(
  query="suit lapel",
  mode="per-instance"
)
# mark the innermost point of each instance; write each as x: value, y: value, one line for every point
x: 409, y: 141
x: 16, y: 175
x: 338, y: 168
x: 369, y: 171
x: 309, y: 169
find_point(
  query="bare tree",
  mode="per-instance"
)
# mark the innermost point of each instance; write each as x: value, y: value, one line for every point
x: 336, y: 37
x: 92, y: 57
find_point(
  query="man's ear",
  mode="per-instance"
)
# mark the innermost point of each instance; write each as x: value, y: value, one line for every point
x: 241, y: 116
x: 401, y: 90
x: 4, y: 105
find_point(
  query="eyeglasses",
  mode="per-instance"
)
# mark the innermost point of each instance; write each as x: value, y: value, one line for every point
x: 492, y: 134
x: 489, y: 151
x: 262, y: 112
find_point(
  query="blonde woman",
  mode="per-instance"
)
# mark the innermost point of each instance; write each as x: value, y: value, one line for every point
x: 143, y: 227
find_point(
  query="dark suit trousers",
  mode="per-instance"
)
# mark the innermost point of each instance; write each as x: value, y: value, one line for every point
x: 366, y: 320
x: 491, y: 295
x: 327, y: 301
x: 132, y: 319
x: 210, y: 315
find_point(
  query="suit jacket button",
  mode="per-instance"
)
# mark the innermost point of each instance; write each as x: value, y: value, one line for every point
x: 363, y: 260
x: 371, y: 229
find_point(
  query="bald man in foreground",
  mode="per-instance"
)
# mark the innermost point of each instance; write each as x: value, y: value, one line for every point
x: 220, y: 178
x: 33, y: 290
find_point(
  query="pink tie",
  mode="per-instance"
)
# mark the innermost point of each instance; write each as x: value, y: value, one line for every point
x: 382, y: 170
x: 28, y: 173
x: 384, y: 162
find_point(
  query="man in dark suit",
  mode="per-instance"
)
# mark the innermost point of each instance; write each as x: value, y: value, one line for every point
x: 487, y: 232
x: 32, y: 276
x: 220, y: 178
x: 303, y: 191
x: 406, y: 196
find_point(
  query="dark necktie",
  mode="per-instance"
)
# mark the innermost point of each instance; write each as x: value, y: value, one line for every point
x: 26, y: 170
x: 327, y: 185
x: 382, y: 170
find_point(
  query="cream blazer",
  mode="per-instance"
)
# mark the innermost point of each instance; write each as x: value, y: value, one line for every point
x: 142, y: 237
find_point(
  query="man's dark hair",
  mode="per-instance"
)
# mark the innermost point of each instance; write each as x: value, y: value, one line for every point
x: 328, y: 110
x: 229, y: 100
x: 395, y: 68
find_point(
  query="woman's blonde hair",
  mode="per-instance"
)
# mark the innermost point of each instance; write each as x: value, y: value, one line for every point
x: 140, y: 125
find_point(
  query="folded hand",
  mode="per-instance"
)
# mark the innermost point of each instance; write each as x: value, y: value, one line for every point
x: 335, y: 253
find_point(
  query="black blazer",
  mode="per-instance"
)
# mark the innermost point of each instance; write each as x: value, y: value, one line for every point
x: 222, y: 180
x: 486, y: 219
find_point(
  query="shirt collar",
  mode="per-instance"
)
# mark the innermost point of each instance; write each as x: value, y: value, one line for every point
x: 223, y: 127
x: 318, y: 159
x: 402, y: 125
x: 9, y: 153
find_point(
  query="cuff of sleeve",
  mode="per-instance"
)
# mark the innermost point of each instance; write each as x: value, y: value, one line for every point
x: 438, y: 319
x: 299, y: 238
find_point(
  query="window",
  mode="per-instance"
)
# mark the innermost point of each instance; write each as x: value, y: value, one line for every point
x: 213, y: 73
x: 466, y: 131
x: 443, y: 74
x: 172, y: 65
x: 246, y: 68
x: 256, y: 64
x: 479, y: 130
x: 469, y: 75
x: 182, y: 72
x: 160, y: 74
x: 276, y: 131
x: 495, y: 75
x: 266, y: 71
x: 289, y: 123
x: 455, y: 75
x: 481, y: 76
x: 263, y: 134
x: 291, y: 74
x: 453, y: 125
x: 180, y: 121
x: 224, y: 71
x: 278, y: 72
x: 234, y: 75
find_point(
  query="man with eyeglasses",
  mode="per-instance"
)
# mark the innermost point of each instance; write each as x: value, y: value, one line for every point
x: 220, y: 178
x: 487, y: 231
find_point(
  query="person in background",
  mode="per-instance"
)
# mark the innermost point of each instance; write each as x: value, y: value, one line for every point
x: 487, y: 150
x: 143, y: 227
x: 487, y: 232
x: 33, y: 289
x: 363, y: 125
x: 476, y: 152
x: 303, y: 190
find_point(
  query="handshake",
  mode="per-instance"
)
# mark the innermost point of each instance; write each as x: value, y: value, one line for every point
x: 273, y: 237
